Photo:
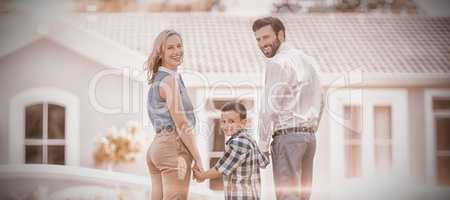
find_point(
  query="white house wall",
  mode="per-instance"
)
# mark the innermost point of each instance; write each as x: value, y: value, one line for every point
x: 417, y: 133
x: 45, y: 63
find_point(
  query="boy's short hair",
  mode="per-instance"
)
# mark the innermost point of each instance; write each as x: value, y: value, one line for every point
x: 236, y: 107
x: 274, y: 22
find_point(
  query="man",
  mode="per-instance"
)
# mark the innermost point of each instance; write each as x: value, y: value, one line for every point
x: 290, y: 110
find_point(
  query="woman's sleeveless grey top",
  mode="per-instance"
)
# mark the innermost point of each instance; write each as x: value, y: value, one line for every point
x: 158, y: 111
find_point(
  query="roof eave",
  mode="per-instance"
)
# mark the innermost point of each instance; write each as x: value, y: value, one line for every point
x: 364, y: 79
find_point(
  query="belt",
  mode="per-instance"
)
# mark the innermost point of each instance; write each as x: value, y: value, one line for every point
x: 295, y: 130
x: 168, y: 128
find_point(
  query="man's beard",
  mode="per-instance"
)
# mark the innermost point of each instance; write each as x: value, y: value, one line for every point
x: 273, y: 48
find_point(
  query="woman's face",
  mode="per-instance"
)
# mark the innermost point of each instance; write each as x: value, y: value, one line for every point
x: 173, y: 52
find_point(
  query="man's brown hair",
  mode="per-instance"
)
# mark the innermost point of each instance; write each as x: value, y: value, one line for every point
x: 275, y: 23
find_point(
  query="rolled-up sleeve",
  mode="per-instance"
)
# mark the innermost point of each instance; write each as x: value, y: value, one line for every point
x: 275, y: 77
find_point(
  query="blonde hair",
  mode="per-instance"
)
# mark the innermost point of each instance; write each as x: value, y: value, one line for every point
x: 155, y: 58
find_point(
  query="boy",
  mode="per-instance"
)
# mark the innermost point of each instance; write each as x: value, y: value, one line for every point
x: 241, y: 160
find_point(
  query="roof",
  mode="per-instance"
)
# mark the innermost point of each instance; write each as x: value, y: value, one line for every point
x: 218, y: 43
x: 18, y: 30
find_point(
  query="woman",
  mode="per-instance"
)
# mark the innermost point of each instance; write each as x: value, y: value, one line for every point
x: 173, y: 149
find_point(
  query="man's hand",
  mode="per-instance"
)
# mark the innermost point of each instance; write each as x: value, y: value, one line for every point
x: 266, y: 160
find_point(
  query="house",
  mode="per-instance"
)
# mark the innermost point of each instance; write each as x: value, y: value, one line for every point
x: 386, y: 80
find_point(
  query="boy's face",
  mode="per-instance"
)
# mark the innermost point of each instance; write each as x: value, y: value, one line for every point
x: 231, y: 122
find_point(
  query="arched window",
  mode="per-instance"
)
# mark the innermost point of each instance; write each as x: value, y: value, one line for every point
x: 45, y: 133
x: 44, y: 127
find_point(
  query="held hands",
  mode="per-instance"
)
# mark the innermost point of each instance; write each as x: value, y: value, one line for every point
x: 198, y: 165
x: 199, y: 174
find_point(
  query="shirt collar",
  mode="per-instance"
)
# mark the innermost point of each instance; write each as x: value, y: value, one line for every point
x: 240, y: 132
x: 170, y: 71
x: 284, y: 46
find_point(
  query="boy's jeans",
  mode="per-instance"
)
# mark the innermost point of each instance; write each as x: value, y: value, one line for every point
x: 292, y: 161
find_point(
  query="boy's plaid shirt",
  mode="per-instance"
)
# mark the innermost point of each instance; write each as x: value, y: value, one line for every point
x: 240, y: 165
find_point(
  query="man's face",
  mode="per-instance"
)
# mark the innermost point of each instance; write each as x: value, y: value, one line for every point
x: 268, y: 41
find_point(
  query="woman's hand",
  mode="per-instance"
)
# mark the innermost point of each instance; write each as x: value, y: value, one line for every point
x: 171, y: 92
x: 198, y: 174
x: 198, y: 166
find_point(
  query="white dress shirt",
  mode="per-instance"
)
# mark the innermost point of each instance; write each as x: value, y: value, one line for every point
x: 291, y: 96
